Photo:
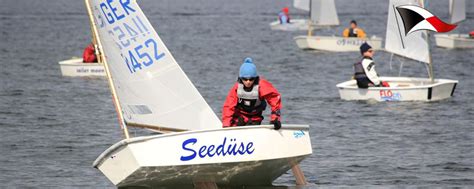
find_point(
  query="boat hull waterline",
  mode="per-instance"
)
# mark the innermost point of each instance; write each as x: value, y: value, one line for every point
x: 76, y: 68
x: 222, y: 156
x: 335, y: 44
x: 401, y: 89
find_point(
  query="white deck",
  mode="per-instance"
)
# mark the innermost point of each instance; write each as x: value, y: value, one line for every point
x: 336, y: 44
x: 76, y: 68
x: 401, y: 89
x: 295, y: 25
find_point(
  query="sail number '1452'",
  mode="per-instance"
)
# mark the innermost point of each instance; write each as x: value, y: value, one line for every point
x: 139, y: 57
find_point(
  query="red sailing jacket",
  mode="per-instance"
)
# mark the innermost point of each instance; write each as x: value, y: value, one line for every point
x: 266, y: 92
x: 89, y: 54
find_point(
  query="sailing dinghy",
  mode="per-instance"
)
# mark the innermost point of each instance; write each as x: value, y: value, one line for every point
x: 75, y: 67
x: 323, y: 14
x: 457, y: 12
x: 414, y: 46
x: 150, y: 90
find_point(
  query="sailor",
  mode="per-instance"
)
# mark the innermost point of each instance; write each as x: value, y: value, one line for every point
x: 471, y: 34
x: 284, y: 16
x: 248, y: 98
x: 89, y: 54
x: 354, y: 31
x: 364, y: 71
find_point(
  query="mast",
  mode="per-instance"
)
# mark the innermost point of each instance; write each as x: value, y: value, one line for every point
x: 94, y: 35
x: 430, y: 58
x: 118, y: 108
x: 310, y: 23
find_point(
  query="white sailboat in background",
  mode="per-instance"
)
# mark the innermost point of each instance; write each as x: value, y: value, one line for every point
x: 75, y: 67
x: 150, y: 90
x: 322, y: 14
x: 457, y: 12
x: 325, y: 14
x: 416, y: 47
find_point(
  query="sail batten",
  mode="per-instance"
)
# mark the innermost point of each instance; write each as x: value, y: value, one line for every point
x: 151, y: 87
x: 413, y: 46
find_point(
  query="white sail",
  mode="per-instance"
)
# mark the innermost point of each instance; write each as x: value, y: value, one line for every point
x: 457, y: 10
x: 415, y: 45
x: 151, y: 87
x: 301, y: 4
x: 323, y: 13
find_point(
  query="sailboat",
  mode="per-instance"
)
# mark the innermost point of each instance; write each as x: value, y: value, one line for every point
x: 151, y: 91
x: 75, y: 67
x: 325, y: 12
x: 414, y: 46
x: 322, y: 13
x: 457, y: 12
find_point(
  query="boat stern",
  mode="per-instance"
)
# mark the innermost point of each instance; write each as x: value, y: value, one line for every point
x: 76, y: 68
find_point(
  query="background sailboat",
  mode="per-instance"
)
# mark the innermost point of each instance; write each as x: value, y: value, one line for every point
x: 322, y: 14
x: 75, y: 67
x: 414, y: 46
x: 457, y: 13
x: 150, y: 90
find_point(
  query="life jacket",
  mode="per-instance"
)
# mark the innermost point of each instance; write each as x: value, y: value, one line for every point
x: 359, y: 72
x: 249, y: 101
x: 283, y: 18
x: 352, y: 32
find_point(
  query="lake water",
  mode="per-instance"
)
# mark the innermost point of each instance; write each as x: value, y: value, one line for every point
x: 52, y: 127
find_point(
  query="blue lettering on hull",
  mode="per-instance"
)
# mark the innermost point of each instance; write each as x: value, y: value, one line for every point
x: 231, y: 148
x: 351, y: 42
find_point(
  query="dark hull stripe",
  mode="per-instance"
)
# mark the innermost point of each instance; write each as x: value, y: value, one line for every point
x: 454, y: 87
x: 430, y: 90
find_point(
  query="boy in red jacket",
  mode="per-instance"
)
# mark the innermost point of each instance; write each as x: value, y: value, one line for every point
x: 248, y: 99
x: 89, y: 54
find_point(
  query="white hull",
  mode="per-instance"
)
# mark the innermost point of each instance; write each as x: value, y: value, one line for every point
x: 336, y: 44
x: 76, y: 68
x: 401, y: 89
x: 454, y: 41
x: 294, y: 25
x: 167, y: 159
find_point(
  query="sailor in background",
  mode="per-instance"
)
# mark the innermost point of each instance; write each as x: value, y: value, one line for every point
x: 248, y: 99
x: 284, y: 16
x: 354, y: 31
x: 89, y: 54
x: 364, y: 71
x: 471, y: 34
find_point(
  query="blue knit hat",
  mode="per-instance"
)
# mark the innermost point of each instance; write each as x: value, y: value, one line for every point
x: 364, y: 48
x: 248, y: 69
